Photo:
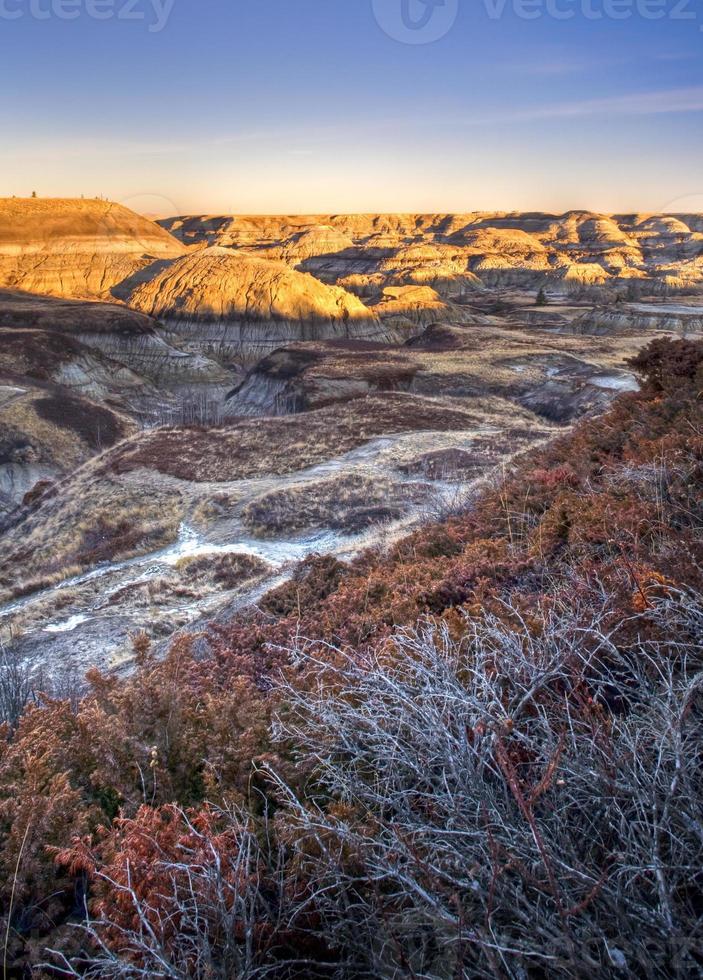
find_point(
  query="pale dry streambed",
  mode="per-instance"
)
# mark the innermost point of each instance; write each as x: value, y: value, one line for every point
x: 90, y: 619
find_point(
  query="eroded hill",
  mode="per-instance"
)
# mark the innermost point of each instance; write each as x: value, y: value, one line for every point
x: 76, y: 248
x: 456, y: 253
x: 248, y: 391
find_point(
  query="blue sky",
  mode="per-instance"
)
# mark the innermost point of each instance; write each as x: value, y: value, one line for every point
x: 309, y: 105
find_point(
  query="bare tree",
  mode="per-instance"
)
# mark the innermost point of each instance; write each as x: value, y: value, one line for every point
x: 22, y: 682
x: 17, y: 685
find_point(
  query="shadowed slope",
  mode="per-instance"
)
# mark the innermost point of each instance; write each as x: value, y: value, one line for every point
x: 252, y: 305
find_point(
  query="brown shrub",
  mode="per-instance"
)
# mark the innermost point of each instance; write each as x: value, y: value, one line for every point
x: 94, y: 424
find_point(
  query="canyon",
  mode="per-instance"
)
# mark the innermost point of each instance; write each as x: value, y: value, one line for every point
x: 190, y: 408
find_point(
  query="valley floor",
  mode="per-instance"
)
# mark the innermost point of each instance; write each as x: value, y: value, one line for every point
x: 388, y: 438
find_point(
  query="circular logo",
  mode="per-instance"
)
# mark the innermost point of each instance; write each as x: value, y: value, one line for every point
x: 151, y: 206
x: 686, y: 204
x: 416, y: 21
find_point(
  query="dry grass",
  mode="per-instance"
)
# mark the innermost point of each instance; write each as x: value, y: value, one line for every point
x: 452, y: 464
x: 88, y: 522
x: 276, y: 446
x: 35, y: 353
x: 479, y: 350
x: 191, y: 580
x: 95, y: 425
x: 348, y: 503
x: 471, y: 362
x: 214, y: 508
x: 159, y: 605
x: 50, y: 426
x: 22, y: 424
x: 20, y: 311
x: 223, y: 571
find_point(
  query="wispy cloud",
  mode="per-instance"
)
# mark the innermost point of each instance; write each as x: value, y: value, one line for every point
x: 656, y: 102
x: 675, y: 56
x: 558, y: 63
x: 300, y: 141
x: 632, y: 104
x: 555, y: 67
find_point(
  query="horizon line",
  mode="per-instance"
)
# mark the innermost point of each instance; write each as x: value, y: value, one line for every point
x: 155, y: 216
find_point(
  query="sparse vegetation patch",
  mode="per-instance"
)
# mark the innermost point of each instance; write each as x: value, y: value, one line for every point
x: 347, y: 503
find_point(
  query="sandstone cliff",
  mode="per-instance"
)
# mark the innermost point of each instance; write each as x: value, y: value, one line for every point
x: 455, y: 253
x: 120, y: 341
x: 233, y: 304
x: 77, y: 248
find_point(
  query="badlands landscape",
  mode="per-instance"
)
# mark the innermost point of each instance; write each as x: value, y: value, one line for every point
x: 192, y: 407
x: 350, y: 576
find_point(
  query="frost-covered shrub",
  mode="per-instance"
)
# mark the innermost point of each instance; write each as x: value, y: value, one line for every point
x: 524, y: 801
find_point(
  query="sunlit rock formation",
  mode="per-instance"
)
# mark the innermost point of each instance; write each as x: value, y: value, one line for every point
x: 77, y: 248
x: 457, y: 253
x: 236, y: 305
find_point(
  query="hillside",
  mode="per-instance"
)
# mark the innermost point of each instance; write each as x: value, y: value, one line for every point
x: 81, y: 555
x: 76, y: 248
x: 559, y: 377
x: 294, y: 415
x: 76, y: 376
x: 351, y: 546
x: 526, y: 673
x: 219, y: 284
x: 350, y: 618
x: 239, y: 304
x: 455, y: 252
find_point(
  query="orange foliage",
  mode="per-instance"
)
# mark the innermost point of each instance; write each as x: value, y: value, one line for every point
x: 618, y: 502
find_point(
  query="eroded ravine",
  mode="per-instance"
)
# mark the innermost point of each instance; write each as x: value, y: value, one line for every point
x: 89, y: 619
